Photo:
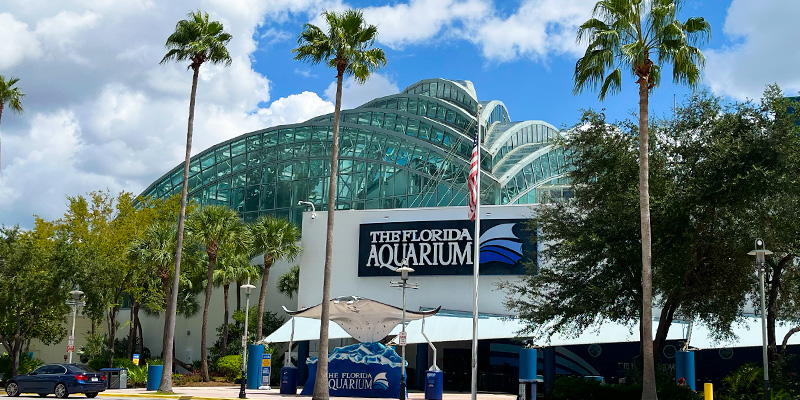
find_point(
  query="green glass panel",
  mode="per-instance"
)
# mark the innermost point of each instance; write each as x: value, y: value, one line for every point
x: 194, y: 166
x: 254, y: 143
x: 424, y: 131
x: 239, y: 180
x: 239, y: 163
x: 253, y: 158
x: 413, y: 128
x: 317, y: 168
x: 412, y: 105
x: 208, y: 176
x: 238, y: 147
x: 319, y: 133
x: 423, y: 107
x: 301, y: 150
x: 401, y: 124
x: 254, y: 176
x: 317, y: 150
x: 252, y: 198
x: 285, y: 152
x: 223, y: 153
x: 302, y: 134
x: 432, y: 107
x: 237, y: 199
x: 391, y: 103
x: 441, y: 112
x: 300, y: 169
x: 283, y: 194
x: 268, y: 173
x: 389, y: 123
x: 377, y: 119
x: 364, y: 118
x: 270, y: 138
x: 350, y: 118
x: 285, y: 172
x: 402, y: 103
x: 267, y: 201
x: 269, y: 155
x: 207, y: 160
x: 345, y: 166
x: 223, y: 196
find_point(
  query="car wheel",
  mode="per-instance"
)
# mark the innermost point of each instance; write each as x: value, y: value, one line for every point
x: 42, y: 394
x: 12, y: 389
x: 91, y: 395
x: 61, y: 391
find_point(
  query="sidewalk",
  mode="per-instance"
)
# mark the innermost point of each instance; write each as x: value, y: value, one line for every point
x: 232, y: 393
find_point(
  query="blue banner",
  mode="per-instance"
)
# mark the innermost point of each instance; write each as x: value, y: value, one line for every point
x: 359, y: 370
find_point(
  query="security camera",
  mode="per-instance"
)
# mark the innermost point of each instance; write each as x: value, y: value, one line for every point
x: 313, y: 215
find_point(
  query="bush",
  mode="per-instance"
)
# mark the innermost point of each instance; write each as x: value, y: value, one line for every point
x: 137, y: 376
x: 230, y: 367
x: 124, y: 363
x: 579, y: 388
x: 26, y: 364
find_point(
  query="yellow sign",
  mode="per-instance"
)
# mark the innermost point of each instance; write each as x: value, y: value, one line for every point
x: 266, y: 362
x: 135, y: 361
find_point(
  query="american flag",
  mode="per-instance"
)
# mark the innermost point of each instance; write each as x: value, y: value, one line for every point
x: 473, y: 181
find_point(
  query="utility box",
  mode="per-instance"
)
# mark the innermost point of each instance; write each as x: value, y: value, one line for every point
x: 433, y: 384
x: 117, y: 378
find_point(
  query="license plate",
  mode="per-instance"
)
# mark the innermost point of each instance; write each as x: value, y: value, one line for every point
x: 94, y: 379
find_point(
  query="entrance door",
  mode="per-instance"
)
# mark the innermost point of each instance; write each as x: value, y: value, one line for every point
x: 457, y: 369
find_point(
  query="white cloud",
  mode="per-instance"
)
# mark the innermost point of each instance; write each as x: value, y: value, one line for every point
x: 354, y: 95
x: 766, y: 33
x: 18, y: 41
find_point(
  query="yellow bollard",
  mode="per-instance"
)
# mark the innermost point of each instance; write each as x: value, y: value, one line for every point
x: 708, y: 389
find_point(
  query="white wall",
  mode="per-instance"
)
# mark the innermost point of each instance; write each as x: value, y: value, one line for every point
x: 452, y: 292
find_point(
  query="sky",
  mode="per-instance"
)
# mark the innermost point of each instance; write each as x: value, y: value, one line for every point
x: 101, y: 113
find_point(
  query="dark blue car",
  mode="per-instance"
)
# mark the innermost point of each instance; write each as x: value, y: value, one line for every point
x: 60, y: 380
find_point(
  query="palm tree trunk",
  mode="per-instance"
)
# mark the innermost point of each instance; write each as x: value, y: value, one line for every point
x: 262, y: 296
x: 648, y: 366
x: 238, y: 295
x: 166, y: 378
x: 212, y: 260
x: 225, y: 289
x: 1, y: 144
x: 167, y: 298
x: 321, y: 391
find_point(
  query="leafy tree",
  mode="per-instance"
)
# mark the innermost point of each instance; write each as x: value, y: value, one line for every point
x: 289, y: 282
x: 639, y: 36
x: 9, y: 95
x: 711, y: 169
x: 347, y: 47
x: 102, y: 227
x: 216, y: 227
x: 35, y: 279
x: 232, y: 266
x: 277, y: 238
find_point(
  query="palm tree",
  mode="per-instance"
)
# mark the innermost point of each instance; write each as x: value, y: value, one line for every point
x: 639, y: 36
x: 156, y: 248
x: 346, y: 47
x: 232, y: 266
x: 11, y: 95
x: 278, y: 239
x: 198, y: 40
x: 215, y: 226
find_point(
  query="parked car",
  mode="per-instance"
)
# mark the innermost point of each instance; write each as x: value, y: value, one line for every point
x: 60, y: 380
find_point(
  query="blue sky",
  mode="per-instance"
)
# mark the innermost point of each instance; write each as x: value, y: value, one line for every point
x: 100, y: 113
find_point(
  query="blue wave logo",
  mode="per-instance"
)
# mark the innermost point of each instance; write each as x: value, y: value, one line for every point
x: 500, y: 244
x: 380, y: 381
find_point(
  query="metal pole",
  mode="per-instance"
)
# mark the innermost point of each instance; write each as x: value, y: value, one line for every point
x: 242, y: 391
x: 476, y: 267
x: 403, y: 364
x: 764, y: 333
x: 72, y: 335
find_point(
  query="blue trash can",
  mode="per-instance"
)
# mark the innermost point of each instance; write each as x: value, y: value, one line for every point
x: 154, y: 376
x: 433, y: 384
x: 289, y: 380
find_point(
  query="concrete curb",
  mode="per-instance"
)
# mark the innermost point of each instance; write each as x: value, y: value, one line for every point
x: 166, y: 396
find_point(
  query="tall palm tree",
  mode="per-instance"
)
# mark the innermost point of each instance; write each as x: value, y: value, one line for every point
x: 639, y: 36
x: 278, y: 239
x: 11, y: 95
x: 347, y: 47
x: 215, y: 226
x: 232, y: 266
x: 198, y: 40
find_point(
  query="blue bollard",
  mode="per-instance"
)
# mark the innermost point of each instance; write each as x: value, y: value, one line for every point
x: 289, y: 380
x: 684, y: 367
x: 154, y: 376
x: 254, y: 354
x: 433, y: 385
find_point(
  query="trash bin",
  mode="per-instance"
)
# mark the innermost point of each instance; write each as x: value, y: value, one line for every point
x: 154, y: 376
x: 117, y: 378
x: 289, y: 380
x: 433, y: 384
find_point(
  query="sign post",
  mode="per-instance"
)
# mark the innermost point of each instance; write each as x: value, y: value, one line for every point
x: 266, y: 370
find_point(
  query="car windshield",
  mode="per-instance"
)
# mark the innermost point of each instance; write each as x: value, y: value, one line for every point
x: 78, y: 368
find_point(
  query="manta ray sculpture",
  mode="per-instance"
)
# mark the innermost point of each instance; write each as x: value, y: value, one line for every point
x: 364, y: 319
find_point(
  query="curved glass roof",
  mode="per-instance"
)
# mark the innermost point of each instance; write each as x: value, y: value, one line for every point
x: 410, y: 149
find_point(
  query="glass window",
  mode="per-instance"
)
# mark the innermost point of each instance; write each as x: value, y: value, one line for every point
x: 285, y: 172
x: 350, y: 118
x: 237, y: 199
x: 252, y: 198
x: 285, y: 135
x: 391, y: 103
x: 377, y: 119
x: 270, y: 138
x: 253, y: 158
x: 390, y: 121
x: 267, y: 201
x: 253, y: 176
x: 207, y: 160
x: 413, y: 127
x: 412, y: 105
x: 424, y: 131
x: 239, y: 180
x: 224, y: 168
x: 402, y: 104
x: 302, y: 134
x: 254, y: 143
x: 300, y: 169
x: 401, y: 124
x: 238, y: 147
x: 319, y: 133
x: 239, y: 163
x: 283, y: 194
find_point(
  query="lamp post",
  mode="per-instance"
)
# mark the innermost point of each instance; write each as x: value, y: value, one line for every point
x: 247, y: 287
x: 309, y: 204
x: 404, y: 270
x: 75, y: 302
x: 760, y: 252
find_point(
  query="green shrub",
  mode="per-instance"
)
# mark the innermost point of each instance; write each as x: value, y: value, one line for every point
x: 26, y: 364
x: 137, y: 376
x: 579, y: 388
x: 124, y: 363
x: 97, y: 363
x: 230, y: 367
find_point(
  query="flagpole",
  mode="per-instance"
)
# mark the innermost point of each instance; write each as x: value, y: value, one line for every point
x: 476, y: 264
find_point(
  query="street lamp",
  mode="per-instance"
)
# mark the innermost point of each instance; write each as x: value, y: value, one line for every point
x: 75, y: 303
x: 760, y: 252
x: 404, y: 270
x: 247, y: 287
